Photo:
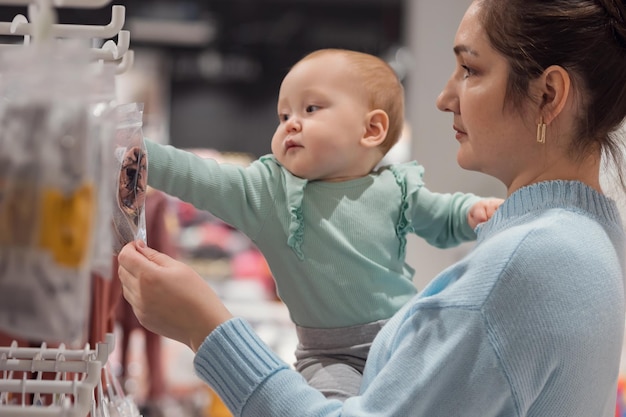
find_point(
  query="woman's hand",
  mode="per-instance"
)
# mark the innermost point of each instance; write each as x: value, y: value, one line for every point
x: 168, y: 297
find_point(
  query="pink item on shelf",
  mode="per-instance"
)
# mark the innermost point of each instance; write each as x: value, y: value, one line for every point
x: 251, y: 264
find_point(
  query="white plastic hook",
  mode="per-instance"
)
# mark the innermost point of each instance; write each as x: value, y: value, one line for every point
x: 61, y: 3
x: 111, y: 51
x: 12, y: 348
x: 19, y: 20
x: 38, y: 357
x: 87, y: 352
x: 118, y: 17
x: 60, y: 357
x: 126, y: 62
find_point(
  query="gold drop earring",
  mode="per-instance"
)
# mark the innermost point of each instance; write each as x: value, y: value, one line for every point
x: 541, y: 131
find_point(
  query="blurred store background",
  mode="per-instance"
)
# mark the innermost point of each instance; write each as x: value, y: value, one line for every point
x: 217, y: 64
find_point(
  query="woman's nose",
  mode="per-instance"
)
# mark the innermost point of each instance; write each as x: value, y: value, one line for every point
x: 448, y: 99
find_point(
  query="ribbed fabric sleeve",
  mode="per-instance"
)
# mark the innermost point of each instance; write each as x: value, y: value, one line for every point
x: 235, y: 348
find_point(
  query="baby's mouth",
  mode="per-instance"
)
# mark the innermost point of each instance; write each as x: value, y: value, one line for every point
x: 290, y: 144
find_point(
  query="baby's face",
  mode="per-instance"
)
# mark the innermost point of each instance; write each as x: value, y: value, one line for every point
x: 322, y: 111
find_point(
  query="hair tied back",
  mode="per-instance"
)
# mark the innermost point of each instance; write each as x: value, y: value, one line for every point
x: 616, y: 14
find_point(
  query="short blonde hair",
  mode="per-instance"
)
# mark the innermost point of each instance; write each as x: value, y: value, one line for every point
x: 380, y: 84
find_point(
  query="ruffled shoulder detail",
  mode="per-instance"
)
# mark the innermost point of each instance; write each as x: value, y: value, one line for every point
x: 294, y: 193
x: 409, y: 178
x: 269, y: 159
x: 294, y: 189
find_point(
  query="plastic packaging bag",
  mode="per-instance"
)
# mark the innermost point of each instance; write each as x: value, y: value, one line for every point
x: 111, y: 399
x: 47, y: 193
x: 103, y: 121
x: 129, y: 221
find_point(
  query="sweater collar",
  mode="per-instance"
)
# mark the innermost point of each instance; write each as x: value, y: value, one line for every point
x: 534, y: 198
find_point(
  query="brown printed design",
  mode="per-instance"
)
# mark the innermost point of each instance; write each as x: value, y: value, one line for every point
x: 132, y: 183
x: 131, y: 196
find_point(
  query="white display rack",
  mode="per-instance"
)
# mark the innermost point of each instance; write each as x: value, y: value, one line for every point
x: 43, y: 381
x: 40, y: 22
x: 74, y: 396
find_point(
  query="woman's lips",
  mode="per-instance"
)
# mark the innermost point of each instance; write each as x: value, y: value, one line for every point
x: 459, y: 133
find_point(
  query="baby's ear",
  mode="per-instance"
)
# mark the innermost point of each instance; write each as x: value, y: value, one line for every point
x: 376, y: 127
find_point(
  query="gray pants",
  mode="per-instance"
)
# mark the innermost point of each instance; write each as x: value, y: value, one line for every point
x: 332, y: 360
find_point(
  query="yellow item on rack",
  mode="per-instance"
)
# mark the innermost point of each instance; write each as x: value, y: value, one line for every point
x: 66, y: 224
x: 215, y: 408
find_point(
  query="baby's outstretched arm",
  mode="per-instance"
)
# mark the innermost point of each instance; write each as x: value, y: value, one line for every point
x: 482, y: 211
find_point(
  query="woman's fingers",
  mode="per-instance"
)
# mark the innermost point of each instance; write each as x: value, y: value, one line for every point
x: 165, y: 293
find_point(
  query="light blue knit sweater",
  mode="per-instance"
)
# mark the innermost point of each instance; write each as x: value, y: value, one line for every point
x: 529, y: 324
x: 336, y: 250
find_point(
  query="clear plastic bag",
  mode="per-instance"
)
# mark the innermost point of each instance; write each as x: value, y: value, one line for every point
x: 111, y: 400
x: 47, y: 193
x: 103, y: 122
x: 129, y: 220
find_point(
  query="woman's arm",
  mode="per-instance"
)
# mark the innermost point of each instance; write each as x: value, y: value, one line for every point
x: 424, y: 363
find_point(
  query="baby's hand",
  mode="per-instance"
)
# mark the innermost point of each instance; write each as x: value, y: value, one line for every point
x: 482, y: 211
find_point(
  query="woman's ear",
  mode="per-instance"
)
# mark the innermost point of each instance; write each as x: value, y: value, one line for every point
x: 376, y: 127
x: 554, y: 86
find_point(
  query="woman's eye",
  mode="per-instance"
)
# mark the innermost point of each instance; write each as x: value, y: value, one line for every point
x: 467, y: 71
x: 311, y: 108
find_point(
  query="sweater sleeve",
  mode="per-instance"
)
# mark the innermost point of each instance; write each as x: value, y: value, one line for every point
x: 252, y: 381
x: 441, y: 218
x: 240, y: 196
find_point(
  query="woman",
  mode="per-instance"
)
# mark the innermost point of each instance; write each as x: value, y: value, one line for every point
x: 530, y: 323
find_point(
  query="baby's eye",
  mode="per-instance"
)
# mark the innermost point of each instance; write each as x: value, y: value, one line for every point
x: 311, y: 108
x: 283, y: 117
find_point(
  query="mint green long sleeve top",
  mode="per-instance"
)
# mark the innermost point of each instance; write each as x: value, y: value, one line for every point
x: 336, y: 250
x: 529, y: 324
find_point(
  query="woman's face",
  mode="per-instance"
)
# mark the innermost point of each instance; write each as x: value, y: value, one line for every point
x: 493, y: 138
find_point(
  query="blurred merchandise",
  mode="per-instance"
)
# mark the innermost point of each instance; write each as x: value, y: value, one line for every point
x: 620, y: 409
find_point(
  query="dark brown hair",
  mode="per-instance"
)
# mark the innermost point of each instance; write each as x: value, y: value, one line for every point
x: 380, y: 84
x: 585, y: 37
